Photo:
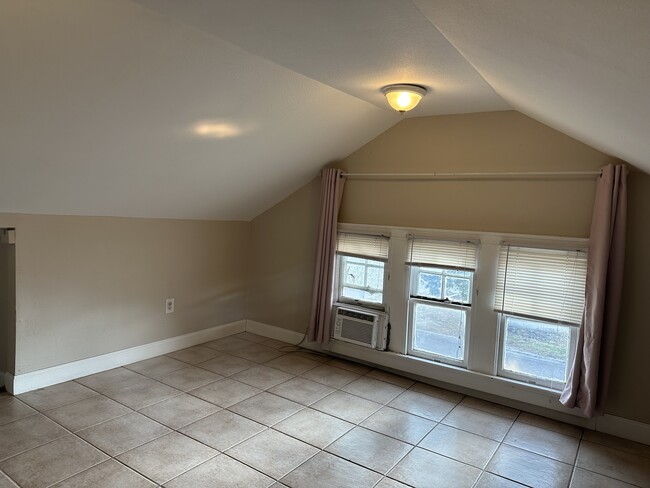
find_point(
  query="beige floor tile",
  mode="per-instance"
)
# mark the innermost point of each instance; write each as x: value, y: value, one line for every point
x: 87, y: 413
x: 187, y: 379
x: 194, y: 355
x: 545, y: 442
x: 272, y: 453
x: 489, y: 480
x: 249, y: 336
x: 257, y: 353
x: 225, y: 392
x: 123, y: 433
x: 389, y: 483
x: 347, y: 407
x: 614, y: 463
x: 27, y: 433
x: 462, y: 446
x: 221, y: 472
x: 490, y: 407
x: 263, y: 377
x: 223, y: 430
x: 587, y: 479
x: 226, y: 364
x: 302, y: 390
x: 5, y: 482
x: 143, y: 394
x: 370, y: 449
x: 157, y: 366
x: 227, y: 344
x: 293, y: 364
x: 13, y: 409
x: 53, y: 462
x: 372, y: 389
x: 400, y: 425
x: 440, y: 471
x: 266, y: 408
x: 624, y: 445
x: 529, y: 468
x: 327, y: 471
x: 275, y: 344
x: 330, y: 376
x: 109, y: 474
x: 548, y: 424
x: 314, y: 356
x: 56, y: 396
x: 478, y: 422
x: 423, y: 405
x: 442, y: 393
x: 179, y: 411
x: 394, y: 379
x: 314, y: 427
x: 113, y: 379
x: 349, y: 365
x: 167, y: 457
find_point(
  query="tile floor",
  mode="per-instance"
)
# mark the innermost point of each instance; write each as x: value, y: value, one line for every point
x: 238, y: 412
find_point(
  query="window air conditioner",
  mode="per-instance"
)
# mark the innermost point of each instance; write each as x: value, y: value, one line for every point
x: 362, y: 327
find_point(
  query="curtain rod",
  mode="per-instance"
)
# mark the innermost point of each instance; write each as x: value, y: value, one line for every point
x: 476, y: 176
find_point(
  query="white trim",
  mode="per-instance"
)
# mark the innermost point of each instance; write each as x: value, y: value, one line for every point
x: 622, y: 427
x: 277, y: 333
x: 69, y: 371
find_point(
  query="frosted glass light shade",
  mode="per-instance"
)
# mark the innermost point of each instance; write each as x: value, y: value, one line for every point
x: 403, y: 97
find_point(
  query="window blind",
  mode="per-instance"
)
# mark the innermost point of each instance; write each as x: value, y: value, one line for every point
x: 546, y: 284
x: 459, y: 255
x: 362, y: 245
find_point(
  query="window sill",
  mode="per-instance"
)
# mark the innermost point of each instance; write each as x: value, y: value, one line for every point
x: 513, y: 392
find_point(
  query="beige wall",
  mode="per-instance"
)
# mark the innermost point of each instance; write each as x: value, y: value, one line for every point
x: 487, y: 142
x: 283, y: 245
x: 7, y: 305
x: 87, y: 286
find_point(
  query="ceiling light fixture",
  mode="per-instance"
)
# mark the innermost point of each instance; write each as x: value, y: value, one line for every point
x: 403, y: 97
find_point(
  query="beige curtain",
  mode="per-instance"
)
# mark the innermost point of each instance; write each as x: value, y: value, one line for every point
x: 321, y: 302
x: 588, y: 381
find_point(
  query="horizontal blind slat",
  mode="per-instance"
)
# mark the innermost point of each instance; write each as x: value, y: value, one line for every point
x: 461, y: 255
x: 362, y: 245
x: 544, y: 283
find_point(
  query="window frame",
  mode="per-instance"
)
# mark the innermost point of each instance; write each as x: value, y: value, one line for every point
x: 414, y: 272
x: 529, y: 379
x: 339, y: 283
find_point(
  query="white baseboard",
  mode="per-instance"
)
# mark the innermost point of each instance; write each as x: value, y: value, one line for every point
x: 274, y: 332
x: 23, y: 383
x: 539, y: 402
x: 622, y: 427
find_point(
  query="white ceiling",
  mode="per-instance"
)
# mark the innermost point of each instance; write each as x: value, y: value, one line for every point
x: 99, y: 98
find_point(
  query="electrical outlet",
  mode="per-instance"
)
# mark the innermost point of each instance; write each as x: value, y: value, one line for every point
x: 169, y: 305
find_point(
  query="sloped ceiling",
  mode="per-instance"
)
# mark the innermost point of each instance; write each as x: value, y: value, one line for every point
x: 102, y: 100
x: 581, y: 67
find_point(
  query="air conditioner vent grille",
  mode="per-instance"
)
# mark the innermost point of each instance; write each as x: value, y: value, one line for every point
x: 357, y: 331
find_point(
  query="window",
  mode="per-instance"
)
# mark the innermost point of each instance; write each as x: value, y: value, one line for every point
x: 440, y: 298
x: 540, y: 298
x: 361, y: 268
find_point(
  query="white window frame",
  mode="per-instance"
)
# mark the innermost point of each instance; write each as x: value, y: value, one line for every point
x: 414, y: 270
x: 559, y: 320
x: 359, y: 253
x: 535, y: 380
x: 340, y: 284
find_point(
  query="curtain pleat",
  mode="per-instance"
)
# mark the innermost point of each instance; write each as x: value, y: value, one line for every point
x: 588, y: 382
x: 321, y: 303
